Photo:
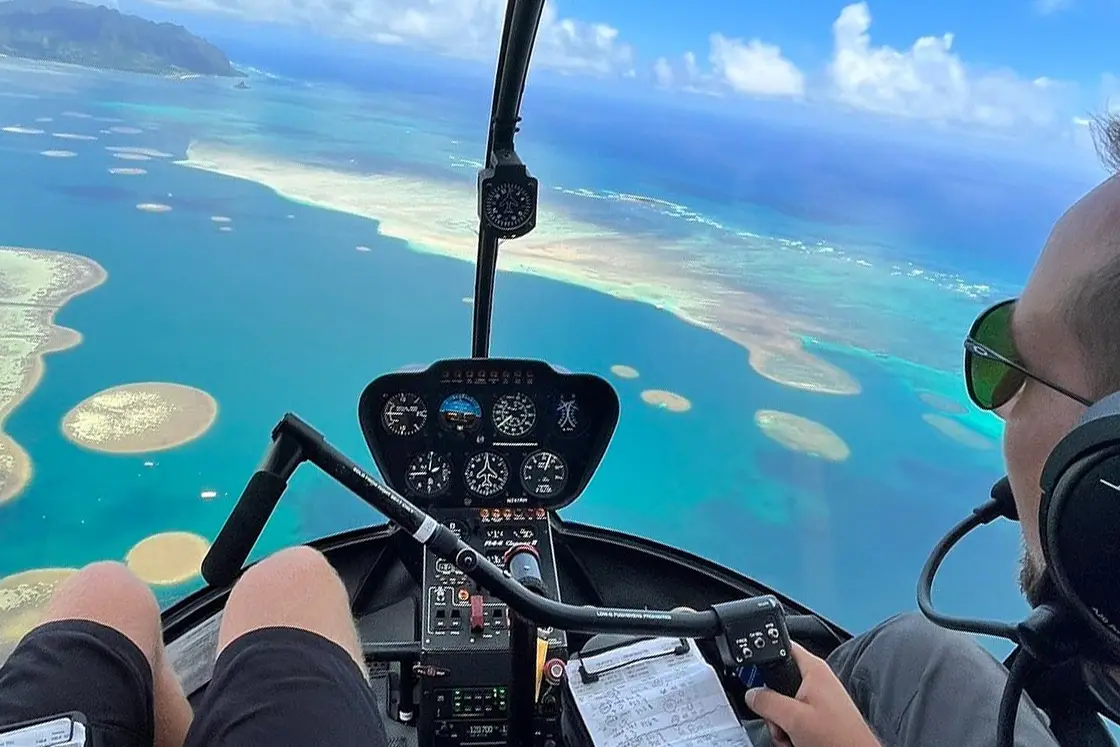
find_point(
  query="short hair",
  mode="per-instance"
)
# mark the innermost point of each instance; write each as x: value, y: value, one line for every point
x: 1092, y: 311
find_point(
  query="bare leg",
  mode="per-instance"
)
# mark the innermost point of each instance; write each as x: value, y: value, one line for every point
x: 295, y: 588
x: 108, y: 594
x: 290, y: 668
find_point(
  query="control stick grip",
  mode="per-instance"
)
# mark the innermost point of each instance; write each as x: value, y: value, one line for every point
x: 233, y: 544
x: 782, y: 676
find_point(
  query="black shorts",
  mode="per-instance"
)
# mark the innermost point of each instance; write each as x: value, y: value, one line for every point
x: 275, y: 686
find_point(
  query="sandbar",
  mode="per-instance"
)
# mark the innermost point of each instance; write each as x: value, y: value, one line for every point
x: 23, y: 602
x: 132, y: 156
x: 168, y: 558
x: 72, y: 136
x: 18, y: 130
x: 34, y: 285
x: 796, y: 433
x: 666, y: 400
x: 624, y: 372
x: 140, y: 418
x: 438, y: 216
x: 58, y: 153
x: 942, y: 403
x: 959, y: 432
x: 153, y: 207
x: 138, y: 151
x: 128, y: 171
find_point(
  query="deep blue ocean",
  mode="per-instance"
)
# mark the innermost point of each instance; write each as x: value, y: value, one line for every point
x: 282, y: 314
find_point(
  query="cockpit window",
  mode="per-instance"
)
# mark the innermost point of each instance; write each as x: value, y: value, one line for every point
x: 768, y: 229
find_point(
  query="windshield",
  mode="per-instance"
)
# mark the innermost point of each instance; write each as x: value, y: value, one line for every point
x: 772, y: 247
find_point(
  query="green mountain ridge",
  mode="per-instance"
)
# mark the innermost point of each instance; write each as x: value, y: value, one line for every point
x: 96, y: 36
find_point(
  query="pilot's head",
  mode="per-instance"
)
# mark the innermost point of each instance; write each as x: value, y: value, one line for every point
x: 1064, y: 334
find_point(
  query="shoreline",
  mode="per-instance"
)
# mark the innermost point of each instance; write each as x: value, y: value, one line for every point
x: 436, y: 217
x: 40, y: 283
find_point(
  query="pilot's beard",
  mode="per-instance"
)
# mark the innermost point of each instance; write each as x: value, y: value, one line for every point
x: 1032, y: 578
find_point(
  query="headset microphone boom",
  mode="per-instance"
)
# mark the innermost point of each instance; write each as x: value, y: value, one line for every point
x: 1079, y: 527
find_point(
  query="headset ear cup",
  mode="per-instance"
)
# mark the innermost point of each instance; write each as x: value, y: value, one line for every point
x: 1079, y: 520
x: 1095, y: 430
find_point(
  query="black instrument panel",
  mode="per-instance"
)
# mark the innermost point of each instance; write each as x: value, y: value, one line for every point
x: 488, y: 432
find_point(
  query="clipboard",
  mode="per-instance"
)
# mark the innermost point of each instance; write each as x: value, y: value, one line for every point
x: 69, y: 729
x: 662, y: 692
x: 588, y: 676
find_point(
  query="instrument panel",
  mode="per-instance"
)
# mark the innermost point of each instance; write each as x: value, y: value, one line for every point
x: 488, y: 432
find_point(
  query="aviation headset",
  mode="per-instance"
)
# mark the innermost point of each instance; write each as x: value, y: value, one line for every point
x: 1079, y: 522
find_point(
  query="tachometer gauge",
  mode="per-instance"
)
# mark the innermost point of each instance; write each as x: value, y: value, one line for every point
x: 514, y: 414
x: 567, y: 414
x: 404, y: 414
x: 543, y: 474
x: 428, y: 474
x: 460, y: 413
x: 486, y: 474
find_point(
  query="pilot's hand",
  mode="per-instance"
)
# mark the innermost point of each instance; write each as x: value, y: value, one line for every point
x: 822, y: 714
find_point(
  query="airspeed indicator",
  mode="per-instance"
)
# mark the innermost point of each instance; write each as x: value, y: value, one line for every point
x: 404, y: 414
x: 543, y: 474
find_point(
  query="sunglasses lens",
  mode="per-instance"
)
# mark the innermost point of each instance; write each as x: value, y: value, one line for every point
x: 992, y: 382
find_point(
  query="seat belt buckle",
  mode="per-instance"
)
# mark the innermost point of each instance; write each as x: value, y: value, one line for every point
x: 62, y: 730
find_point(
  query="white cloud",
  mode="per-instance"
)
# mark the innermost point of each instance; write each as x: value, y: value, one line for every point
x: 928, y: 81
x: 460, y: 28
x: 1046, y: 7
x: 755, y: 68
x: 752, y: 68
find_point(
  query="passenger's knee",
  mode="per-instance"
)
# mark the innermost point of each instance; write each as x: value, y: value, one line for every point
x: 110, y: 594
x: 299, y: 567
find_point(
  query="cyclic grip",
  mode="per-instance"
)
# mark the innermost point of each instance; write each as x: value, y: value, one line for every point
x: 754, y: 633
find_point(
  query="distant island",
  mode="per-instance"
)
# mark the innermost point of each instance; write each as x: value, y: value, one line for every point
x: 95, y: 36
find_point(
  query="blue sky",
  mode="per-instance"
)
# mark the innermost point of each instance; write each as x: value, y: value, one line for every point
x: 1011, y: 68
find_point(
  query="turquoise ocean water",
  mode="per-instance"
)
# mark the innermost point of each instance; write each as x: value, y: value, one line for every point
x: 283, y: 314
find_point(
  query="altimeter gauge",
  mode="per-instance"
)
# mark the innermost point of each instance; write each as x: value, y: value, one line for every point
x: 514, y: 414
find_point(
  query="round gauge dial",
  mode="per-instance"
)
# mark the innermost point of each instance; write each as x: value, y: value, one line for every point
x: 404, y: 414
x: 460, y: 413
x: 567, y: 414
x: 507, y: 205
x: 543, y: 474
x: 486, y: 474
x: 514, y: 414
x: 428, y: 474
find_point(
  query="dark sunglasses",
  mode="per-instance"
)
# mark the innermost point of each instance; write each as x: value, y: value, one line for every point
x: 992, y: 369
